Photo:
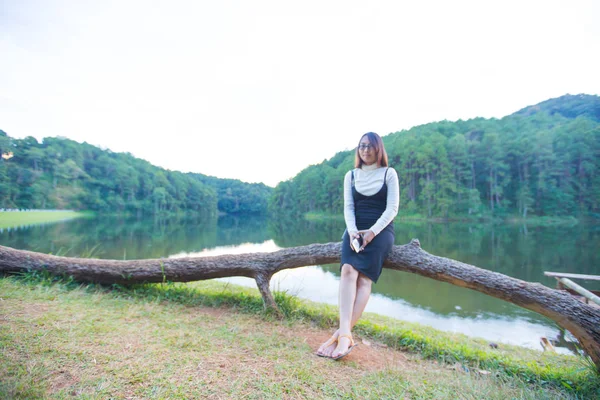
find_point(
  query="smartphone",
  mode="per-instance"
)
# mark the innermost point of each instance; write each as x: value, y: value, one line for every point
x: 356, y: 243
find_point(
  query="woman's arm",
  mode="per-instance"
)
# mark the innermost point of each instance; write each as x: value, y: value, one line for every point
x: 393, y: 201
x: 349, y: 216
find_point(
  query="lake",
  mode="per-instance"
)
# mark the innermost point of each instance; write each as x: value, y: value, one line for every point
x: 519, y: 251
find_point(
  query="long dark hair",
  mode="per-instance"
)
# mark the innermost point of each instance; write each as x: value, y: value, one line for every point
x: 377, y: 143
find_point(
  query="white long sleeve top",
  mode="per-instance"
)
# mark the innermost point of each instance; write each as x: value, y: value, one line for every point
x: 368, y: 180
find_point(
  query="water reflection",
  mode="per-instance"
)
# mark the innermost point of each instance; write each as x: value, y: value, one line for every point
x: 523, y: 253
x: 110, y: 237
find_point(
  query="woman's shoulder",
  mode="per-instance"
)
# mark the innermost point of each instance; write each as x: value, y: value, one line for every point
x: 391, y: 172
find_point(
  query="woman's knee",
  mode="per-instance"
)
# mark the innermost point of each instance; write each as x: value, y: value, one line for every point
x: 348, y: 271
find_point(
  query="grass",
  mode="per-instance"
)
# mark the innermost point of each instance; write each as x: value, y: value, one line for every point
x: 317, y: 216
x: 406, y: 218
x: 60, y: 339
x: 544, y: 221
x: 532, y: 221
x: 23, y: 218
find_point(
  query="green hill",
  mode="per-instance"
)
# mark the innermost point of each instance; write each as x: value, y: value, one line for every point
x: 59, y: 173
x: 542, y: 160
x: 569, y: 106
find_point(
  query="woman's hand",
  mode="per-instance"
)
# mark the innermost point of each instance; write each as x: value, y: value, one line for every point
x: 356, y: 241
x: 367, y: 236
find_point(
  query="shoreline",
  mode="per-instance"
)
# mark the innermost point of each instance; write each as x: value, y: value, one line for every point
x: 16, y: 219
x: 509, y: 220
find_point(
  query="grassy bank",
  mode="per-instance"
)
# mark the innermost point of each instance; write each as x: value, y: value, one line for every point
x: 60, y: 339
x: 544, y: 221
x: 407, y: 218
x: 315, y: 216
x: 23, y: 218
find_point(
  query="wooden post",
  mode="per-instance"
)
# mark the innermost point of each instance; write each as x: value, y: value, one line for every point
x: 582, y: 291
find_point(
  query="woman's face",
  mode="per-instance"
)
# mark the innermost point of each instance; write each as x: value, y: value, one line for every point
x: 366, y: 151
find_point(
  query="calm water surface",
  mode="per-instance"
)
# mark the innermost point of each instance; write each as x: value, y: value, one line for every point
x: 515, y: 250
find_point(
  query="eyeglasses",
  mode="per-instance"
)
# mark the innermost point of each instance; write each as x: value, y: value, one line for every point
x: 365, y: 146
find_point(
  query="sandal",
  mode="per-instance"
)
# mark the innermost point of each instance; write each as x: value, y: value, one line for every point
x: 352, y: 345
x: 328, y: 343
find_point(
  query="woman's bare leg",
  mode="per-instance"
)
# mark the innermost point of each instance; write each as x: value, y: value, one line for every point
x: 363, y: 292
x: 347, y: 295
x: 361, y: 297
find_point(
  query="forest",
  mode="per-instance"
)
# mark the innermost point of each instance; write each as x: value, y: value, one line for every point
x: 543, y: 160
x: 59, y: 173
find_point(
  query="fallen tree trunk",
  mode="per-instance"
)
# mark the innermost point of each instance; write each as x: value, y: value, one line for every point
x: 582, y: 320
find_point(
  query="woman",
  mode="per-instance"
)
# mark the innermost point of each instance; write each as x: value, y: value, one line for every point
x: 371, y: 197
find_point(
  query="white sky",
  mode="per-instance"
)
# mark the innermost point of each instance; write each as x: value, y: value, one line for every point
x: 258, y: 90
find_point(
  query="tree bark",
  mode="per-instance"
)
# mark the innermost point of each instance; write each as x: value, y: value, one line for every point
x: 582, y: 320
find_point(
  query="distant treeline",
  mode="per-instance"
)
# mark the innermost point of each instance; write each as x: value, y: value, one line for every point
x: 60, y: 173
x: 543, y: 160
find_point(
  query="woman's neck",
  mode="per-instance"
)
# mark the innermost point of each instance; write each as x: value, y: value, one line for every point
x: 369, y: 167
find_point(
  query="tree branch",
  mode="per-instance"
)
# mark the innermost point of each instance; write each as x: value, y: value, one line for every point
x: 582, y: 320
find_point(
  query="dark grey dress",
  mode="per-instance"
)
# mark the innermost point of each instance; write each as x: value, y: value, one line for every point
x: 367, y: 210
